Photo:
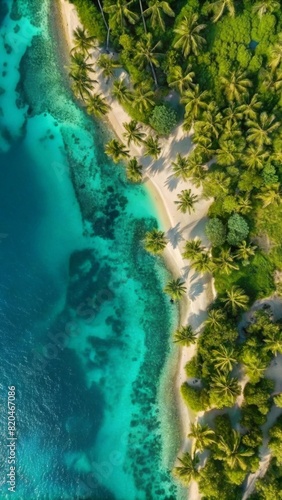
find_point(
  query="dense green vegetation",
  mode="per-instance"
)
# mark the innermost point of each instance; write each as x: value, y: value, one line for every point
x: 218, y: 66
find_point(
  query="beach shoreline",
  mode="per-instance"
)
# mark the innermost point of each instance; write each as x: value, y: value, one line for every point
x: 163, y: 188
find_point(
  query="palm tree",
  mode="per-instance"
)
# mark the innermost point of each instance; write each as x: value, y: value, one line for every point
x: 121, y: 92
x: 105, y: 23
x: 142, y: 15
x: 202, y: 436
x: 186, y: 201
x: 188, y: 469
x: 264, y: 6
x: 97, y: 105
x: 216, y: 318
x: 210, y: 123
x: 276, y: 54
x: 227, y: 153
x: 250, y: 109
x: 236, y: 85
x: 274, y: 343
x: 270, y: 196
x: 134, y: 170
x: 233, y: 453
x: 82, y: 85
x: 187, y: 35
x: 225, y: 261
x: 116, y: 150
x: 244, y: 205
x: 254, y: 368
x: 225, y: 387
x: 224, y: 358
x: 180, y: 167
x: 156, y: 11
x: 133, y: 133
x: 176, y: 289
x: 155, y: 241
x: 152, y: 147
x: 245, y: 251
x: 261, y: 130
x: 146, y: 53
x: 219, y: 6
x: 184, y: 336
x: 79, y: 64
x: 232, y: 114
x: 82, y: 41
x: 235, y: 300
x: 195, y: 101
x: 108, y: 66
x: 119, y: 11
x: 255, y: 158
x: 192, y: 249
x: 143, y: 97
x: 181, y: 80
x: 202, y: 263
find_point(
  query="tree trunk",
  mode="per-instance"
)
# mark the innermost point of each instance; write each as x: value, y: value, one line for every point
x: 142, y: 15
x: 154, y: 75
x: 105, y: 23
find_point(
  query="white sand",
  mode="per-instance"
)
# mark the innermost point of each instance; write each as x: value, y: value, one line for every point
x: 179, y: 227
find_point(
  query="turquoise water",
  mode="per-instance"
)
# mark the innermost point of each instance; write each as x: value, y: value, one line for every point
x: 84, y: 323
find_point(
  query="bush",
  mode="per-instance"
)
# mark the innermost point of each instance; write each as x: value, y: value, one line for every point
x: 238, y: 229
x: 196, y: 399
x: 216, y: 232
x: 163, y: 119
x: 192, y: 368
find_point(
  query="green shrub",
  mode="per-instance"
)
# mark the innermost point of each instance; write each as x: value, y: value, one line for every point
x: 163, y: 119
x: 216, y: 231
x: 196, y: 399
x: 238, y: 229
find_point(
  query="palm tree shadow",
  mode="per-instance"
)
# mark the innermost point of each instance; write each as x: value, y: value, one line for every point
x: 171, y: 182
x: 174, y: 235
x: 196, y: 320
x: 180, y: 146
x: 199, y: 227
x: 196, y: 288
x: 185, y: 272
x: 156, y: 166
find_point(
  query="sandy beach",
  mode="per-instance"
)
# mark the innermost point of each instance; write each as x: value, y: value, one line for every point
x: 164, y: 187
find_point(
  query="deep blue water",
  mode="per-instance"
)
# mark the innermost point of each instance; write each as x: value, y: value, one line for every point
x: 85, y: 326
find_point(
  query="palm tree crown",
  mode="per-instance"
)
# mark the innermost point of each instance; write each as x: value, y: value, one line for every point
x: 186, y: 201
x: 116, y: 150
x: 236, y: 299
x: 156, y: 11
x: 203, y: 436
x: 155, y: 241
x: 187, y: 470
x: 134, y: 170
x: 187, y: 35
x: 175, y: 288
x: 184, y: 336
x: 236, y: 85
x: 82, y: 41
x: 219, y: 6
x: 133, y: 133
x: 97, y: 105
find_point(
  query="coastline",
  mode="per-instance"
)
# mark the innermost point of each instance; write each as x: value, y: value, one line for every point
x: 163, y: 188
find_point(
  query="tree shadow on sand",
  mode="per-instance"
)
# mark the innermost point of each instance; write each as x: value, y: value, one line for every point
x: 171, y: 182
x: 197, y: 288
x: 174, y: 235
x: 197, y: 320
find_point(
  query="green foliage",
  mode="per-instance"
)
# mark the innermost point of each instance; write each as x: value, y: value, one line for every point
x: 91, y: 18
x: 259, y: 395
x: 238, y: 229
x: 196, y: 399
x: 192, y: 368
x: 163, y: 119
x: 216, y: 231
